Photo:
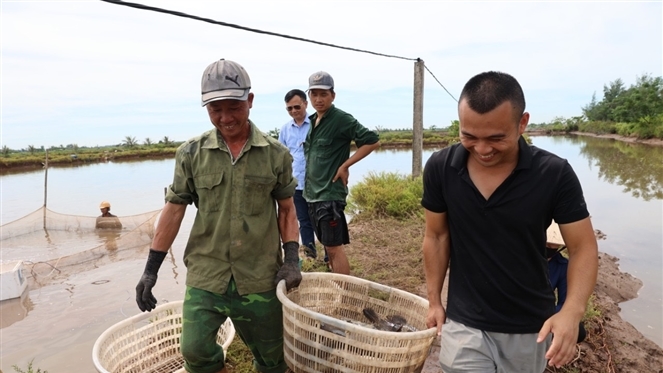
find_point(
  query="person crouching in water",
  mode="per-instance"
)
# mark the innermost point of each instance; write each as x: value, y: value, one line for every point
x: 557, y: 266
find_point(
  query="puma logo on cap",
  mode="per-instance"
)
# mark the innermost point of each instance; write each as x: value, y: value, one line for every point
x: 234, y: 80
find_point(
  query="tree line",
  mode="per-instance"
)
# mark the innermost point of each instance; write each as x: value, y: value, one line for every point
x: 129, y: 142
x: 636, y: 111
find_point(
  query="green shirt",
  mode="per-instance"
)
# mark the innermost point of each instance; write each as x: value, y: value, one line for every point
x: 235, y: 232
x: 327, y: 146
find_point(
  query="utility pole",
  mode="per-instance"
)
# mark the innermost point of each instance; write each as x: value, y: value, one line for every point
x: 418, y: 120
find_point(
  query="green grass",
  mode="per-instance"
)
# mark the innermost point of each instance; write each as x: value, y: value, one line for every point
x: 404, y: 137
x: 592, y: 311
x: 387, y: 194
x: 29, y: 369
x: 239, y: 358
x: 314, y: 266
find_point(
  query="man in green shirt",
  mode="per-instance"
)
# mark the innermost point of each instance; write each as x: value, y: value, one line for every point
x: 241, y: 182
x: 328, y: 162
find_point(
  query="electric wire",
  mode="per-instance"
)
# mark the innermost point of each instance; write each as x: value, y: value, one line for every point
x: 264, y: 32
x: 208, y: 20
x: 438, y: 82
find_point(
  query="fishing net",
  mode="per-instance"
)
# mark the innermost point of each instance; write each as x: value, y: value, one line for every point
x: 53, y: 246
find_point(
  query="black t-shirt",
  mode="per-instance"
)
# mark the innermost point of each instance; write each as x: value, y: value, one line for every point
x: 498, y: 274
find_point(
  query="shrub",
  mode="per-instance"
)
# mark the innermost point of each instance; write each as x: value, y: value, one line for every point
x: 598, y: 127
x: 648, y: 127
x: 454, y: 128
x: 624, y: 129
x: 658, y: 130
x: 387, y: 194
x: 571, y: 127
x: 559, y: 127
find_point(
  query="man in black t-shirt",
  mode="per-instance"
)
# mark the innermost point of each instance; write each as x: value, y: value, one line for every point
x: 488, y: 202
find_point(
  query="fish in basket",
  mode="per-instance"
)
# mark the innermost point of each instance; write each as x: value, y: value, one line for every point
x: 336, y: 323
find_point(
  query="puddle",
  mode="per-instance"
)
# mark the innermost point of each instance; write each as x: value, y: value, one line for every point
x: 13, y: 310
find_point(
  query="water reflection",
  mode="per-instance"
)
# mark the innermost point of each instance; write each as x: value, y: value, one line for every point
x: 109, y: 238
x: 636, y: 167
x: 13, y: 310
x: 622, y: 184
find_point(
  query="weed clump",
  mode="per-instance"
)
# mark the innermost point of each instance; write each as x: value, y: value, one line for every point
x: 387, y: 194
x: 30, y: 370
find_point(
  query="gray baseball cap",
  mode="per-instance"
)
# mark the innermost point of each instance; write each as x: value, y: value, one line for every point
x: 320, y: 80
x: 225, y: 80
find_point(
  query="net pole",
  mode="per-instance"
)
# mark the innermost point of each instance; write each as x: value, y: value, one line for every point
x: 45, y: 186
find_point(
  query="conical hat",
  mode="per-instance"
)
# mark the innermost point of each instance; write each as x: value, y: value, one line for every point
x: 554, y: 236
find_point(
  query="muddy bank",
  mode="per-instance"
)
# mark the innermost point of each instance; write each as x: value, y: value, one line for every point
x: 389, y: 251
x: 33, y: 166
x: 653, y: 142
x: 612, y: 344
x: 634, y: 140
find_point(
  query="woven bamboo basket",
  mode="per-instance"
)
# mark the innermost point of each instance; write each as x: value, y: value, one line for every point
x: 336, y: 302
x: 148, y: 342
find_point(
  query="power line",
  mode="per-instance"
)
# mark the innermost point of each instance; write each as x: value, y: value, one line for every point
x: 438, y: 82
x: 208, y: 20
x: 180, y: 14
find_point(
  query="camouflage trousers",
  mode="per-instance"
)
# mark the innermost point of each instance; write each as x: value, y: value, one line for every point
x: 258, y: 320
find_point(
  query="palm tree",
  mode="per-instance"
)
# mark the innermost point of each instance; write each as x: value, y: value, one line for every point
x: 147, y: 141
x: 129, y: 141
x: 166, y: 141
x: 5, y: 150
x: 31, y: 149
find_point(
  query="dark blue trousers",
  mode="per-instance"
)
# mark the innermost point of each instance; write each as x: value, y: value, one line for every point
x: 305, y: 224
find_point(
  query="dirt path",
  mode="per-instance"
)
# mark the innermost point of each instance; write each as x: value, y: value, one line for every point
x: 654, y: 142
x: 635, y: 140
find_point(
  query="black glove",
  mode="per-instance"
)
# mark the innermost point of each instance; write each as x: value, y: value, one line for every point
x: 290, y: 270
x: 146, y: 301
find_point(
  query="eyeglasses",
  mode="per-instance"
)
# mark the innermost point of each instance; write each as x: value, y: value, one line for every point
x: 296, y: 107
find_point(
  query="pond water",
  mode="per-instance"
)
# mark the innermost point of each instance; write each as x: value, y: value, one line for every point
x: 57, y: 324
x: 623, y: 186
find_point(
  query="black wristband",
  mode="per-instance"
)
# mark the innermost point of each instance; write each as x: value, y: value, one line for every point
x: 154, y: 260
x: 291, y: 249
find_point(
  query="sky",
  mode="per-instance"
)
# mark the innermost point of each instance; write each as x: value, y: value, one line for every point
x: 92, y: 73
